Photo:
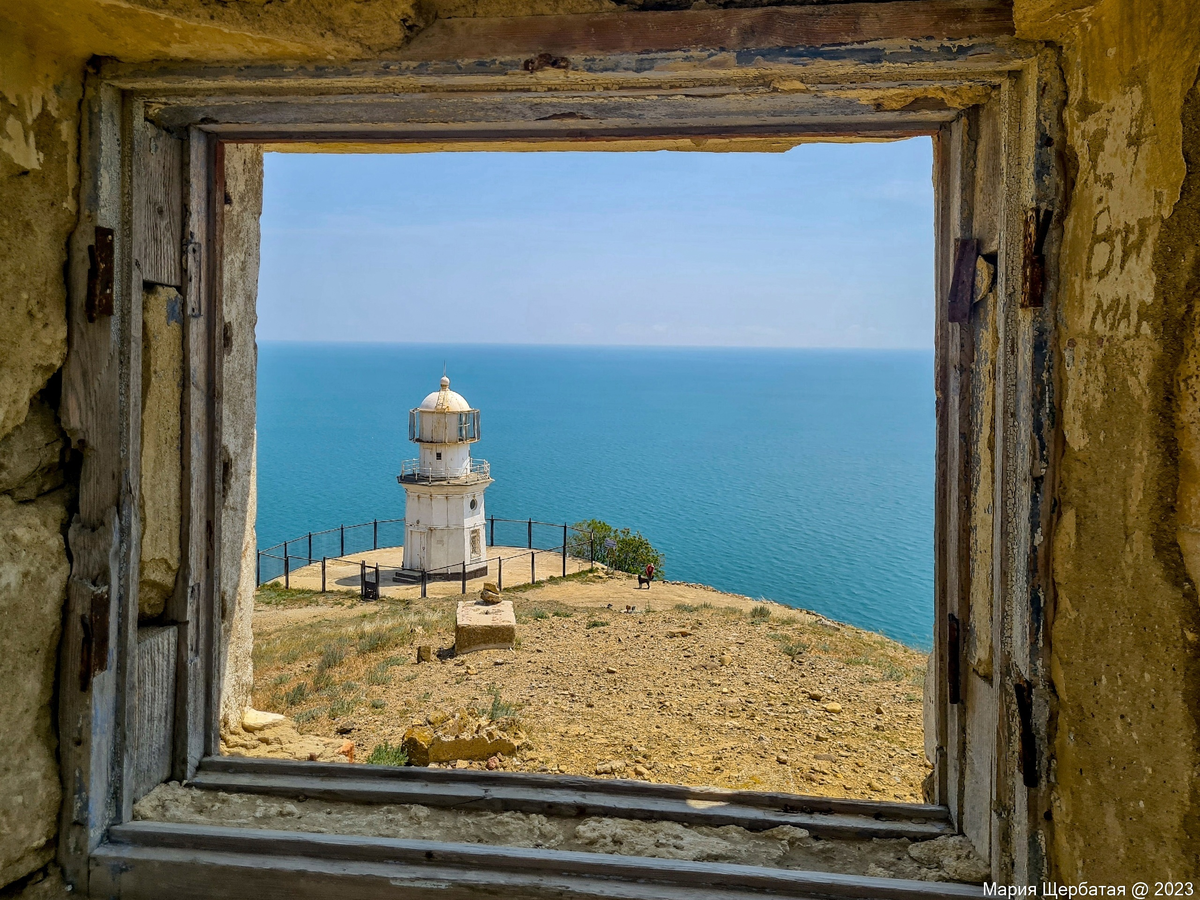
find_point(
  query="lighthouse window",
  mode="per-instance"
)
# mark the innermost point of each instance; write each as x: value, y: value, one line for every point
x: 439, y: 456
x: 468, y: 426
x: 474, y: 503
x: 412, y: 425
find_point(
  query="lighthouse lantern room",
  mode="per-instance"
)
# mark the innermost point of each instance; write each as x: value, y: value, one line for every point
x: 443, y: 488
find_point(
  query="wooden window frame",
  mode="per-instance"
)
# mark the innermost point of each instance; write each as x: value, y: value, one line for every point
x: 720, y: 79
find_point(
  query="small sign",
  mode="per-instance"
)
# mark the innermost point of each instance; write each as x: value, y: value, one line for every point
x: 610, y: 544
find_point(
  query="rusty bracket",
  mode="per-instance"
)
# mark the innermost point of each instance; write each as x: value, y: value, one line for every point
x: 1033, y: 258
x: 99, y: 301
x: 966, y: 252
x: 953, y: 658
x: 191, y: 267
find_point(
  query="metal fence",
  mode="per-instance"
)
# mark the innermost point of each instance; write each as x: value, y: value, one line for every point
x: 537, y: 538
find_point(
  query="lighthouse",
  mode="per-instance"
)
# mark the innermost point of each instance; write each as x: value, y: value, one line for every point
x: 443, y: 490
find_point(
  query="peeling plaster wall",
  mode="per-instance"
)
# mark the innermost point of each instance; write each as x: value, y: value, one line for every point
x: 1125, y: 553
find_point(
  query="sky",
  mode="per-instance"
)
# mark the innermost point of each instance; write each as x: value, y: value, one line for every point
x: 826, y: 245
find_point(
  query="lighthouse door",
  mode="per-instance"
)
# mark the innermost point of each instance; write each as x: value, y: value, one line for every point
x: 414, y: 556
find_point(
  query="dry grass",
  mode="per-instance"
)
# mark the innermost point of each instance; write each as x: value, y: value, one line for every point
x: 331, y: 661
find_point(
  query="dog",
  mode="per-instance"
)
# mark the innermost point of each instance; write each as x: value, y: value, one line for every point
x: 646, y: 577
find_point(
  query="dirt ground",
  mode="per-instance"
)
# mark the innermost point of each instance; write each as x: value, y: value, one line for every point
x: 695, y: 687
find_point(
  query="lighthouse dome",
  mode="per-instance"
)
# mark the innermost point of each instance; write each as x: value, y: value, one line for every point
x: 445, y: 400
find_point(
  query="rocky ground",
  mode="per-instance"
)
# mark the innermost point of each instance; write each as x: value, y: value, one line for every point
x: 694, y: 687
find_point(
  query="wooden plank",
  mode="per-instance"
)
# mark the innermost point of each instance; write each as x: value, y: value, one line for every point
x: 153, y: 740
x: 212, y: 603
x: 565, y: 802
x: 195, y: 586
x: 569, y: 111
x: 129, y: 319
x: 151, y: 859
x: 435, y: 778
x: 91, y: 414
x: 158, y: 205
x: 726, y: 29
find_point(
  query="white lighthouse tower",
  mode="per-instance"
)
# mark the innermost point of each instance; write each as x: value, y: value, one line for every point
x: 443, y: 488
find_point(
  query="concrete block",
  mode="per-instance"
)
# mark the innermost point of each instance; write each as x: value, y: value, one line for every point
x: 485, y: 626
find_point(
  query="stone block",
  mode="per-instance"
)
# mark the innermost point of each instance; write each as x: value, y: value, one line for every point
x: 485, y: 626
x: 33, y: 585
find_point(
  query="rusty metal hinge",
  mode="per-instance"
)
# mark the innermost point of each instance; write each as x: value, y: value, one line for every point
x: 99, y: 300
x: 953, y: 656
x: 192, y: 269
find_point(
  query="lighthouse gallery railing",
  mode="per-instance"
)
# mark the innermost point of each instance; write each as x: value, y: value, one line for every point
x: 412, y: 470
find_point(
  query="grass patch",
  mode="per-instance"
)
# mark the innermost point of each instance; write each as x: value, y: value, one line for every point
x: 692, y: 607
x: 790, y: 646
x: 379, y: 674
x: 332, y: 657
x: 377, y: 703
x: 386, y: 754
x: 760, y: 613
x: 500, y: 708
x: 562, y: 613
x: 343, y: 706
x: 322, y: 681
x: 271, y: 594
x: 281, y: 679
x: 296, y: 695
x: 307, y: 715
x: 597, y: 623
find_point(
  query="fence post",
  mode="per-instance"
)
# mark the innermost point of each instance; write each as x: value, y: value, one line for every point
x: 564, y: 551
x: 310, y: 547
x: 362, y: 580
x: 591, y: 551
x: 531, y: 534
x: 378, y: 596
x: 287, y: 581
x: 342, y: 548
x: 424, y: 579
x: 258, y: 568
x: 532, y: 570
x: 375, y: 539
x: 322, y: 574
x: 464, y: 577
x: 500, y: 573
x: 492, y: 538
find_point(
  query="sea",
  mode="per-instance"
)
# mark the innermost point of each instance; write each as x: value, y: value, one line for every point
x: 801, y: 476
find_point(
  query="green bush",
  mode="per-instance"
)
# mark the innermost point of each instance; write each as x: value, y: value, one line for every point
x: 629, y: 550
x: 386, y: 754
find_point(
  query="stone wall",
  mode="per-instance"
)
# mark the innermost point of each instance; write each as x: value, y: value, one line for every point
x: 38, y: 136
x: 1125, y: 627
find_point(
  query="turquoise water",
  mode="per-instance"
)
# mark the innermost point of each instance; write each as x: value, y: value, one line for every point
x: 803, y: 476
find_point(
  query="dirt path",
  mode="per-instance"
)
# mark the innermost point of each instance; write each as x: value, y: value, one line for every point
x: 695, y: 687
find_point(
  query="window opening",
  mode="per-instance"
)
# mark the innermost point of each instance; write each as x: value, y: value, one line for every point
x: 760, y: 695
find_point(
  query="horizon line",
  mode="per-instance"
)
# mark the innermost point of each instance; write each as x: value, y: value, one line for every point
x: 576, y: 346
